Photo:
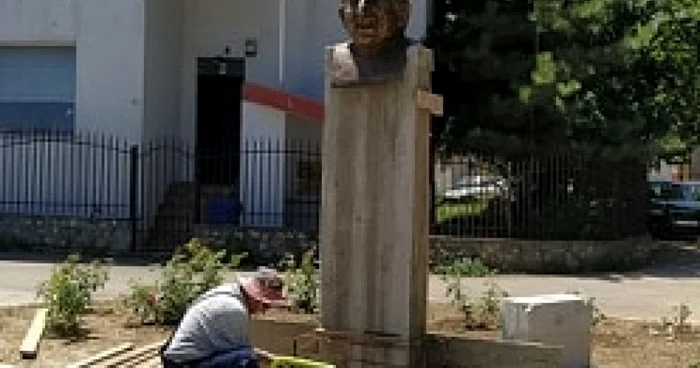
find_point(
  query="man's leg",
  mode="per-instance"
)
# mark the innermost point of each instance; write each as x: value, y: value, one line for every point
x: 237, y: 358
x: 168, y: 364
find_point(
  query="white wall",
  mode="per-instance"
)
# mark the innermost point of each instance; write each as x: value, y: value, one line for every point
x: 164, y: 20
x: 163, y: 68
x: 109, y: 39
x: 111, y: 43
x: 262, y: 170
x: 27, y: 22
x: 110, y: 65
x: 309, y: 26
x: 211, y: 26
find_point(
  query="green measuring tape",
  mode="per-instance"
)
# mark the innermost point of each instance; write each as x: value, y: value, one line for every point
x: 280, y: 362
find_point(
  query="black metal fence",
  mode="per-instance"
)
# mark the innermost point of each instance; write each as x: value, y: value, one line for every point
x: 155, y: 196
x: 60, y: 190
x: 570, y: 196
x: 266, y: 184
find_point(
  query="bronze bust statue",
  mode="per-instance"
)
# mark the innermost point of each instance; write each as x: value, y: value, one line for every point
x: 376, y: 51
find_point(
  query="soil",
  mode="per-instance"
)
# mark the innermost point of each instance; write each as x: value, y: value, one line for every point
x: 616, y: 343
x: 105, y: 327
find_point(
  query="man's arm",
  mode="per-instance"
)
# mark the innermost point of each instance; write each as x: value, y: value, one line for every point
x: 264, y: 356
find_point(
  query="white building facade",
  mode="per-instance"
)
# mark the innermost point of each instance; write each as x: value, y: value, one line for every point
x: 130, y: 66
x: 138, y: 70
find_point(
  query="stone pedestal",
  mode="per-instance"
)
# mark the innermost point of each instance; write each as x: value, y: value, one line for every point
x: 557, y: 320
x: 374, y: 217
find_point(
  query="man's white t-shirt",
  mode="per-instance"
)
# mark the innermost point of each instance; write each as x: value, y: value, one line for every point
x: 218, y: 321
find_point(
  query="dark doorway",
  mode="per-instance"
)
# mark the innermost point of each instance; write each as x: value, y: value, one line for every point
x: 219, y: 93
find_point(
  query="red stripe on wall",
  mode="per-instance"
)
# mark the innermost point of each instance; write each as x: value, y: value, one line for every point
x: 295, y: 105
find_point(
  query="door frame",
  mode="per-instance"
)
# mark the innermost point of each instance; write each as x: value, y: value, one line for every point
x: 211, y: 66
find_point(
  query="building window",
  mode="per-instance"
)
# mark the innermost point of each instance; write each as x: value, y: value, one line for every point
x: 37, y: 89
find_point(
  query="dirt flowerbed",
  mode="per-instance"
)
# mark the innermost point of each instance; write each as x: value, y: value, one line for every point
x: 622, y: 344
x: 106, y: 326
x: 616, y: 343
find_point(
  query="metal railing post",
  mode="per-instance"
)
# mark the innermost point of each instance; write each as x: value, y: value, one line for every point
x: 133, y: 196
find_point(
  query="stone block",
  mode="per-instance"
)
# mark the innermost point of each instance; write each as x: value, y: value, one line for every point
x: 557, y: 319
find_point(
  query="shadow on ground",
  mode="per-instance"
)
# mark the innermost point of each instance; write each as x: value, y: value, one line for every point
x: 680, y: 259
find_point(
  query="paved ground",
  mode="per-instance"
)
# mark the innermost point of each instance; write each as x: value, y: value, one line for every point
x: 650, y: 294
x: 647, y: 297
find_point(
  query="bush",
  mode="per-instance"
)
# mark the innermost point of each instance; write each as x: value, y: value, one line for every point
x: 68, y: 293
x: 465, y: 267
x: 482, y: 312
x: 301, y: 283
x: 187, y: 275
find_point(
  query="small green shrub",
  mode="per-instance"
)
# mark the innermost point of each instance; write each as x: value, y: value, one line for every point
x: 483, y: 311
x: 465, y: 267
x: 187, y: 275
x: 68, y: 293
x: 142, y: 301
x: 302, y: 283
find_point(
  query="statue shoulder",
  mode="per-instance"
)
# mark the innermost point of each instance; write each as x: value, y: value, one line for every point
x: 343, y: 68
x: 341, y: 51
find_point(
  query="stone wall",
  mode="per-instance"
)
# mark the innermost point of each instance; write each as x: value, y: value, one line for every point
x: 264, y: 246
x: 445, y: 351
x: 268, y: 246
x: 539, y: 256
x: 505, y: 255
x: 36, y: 234
x: 459, y: 352
x: 277, y: 337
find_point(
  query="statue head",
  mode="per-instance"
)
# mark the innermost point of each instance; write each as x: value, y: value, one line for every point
x: 372, y: 24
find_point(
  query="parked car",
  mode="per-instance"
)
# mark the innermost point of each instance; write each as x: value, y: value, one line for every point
x: 475, y: 187
x: 674, y: 209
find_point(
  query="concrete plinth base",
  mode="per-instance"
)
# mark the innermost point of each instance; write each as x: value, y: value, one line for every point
x: 558, y: 320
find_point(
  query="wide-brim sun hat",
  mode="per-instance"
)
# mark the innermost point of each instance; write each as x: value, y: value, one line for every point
x: 264, y: 286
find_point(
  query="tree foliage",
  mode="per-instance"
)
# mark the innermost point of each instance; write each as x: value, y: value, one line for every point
x: 614, y: 76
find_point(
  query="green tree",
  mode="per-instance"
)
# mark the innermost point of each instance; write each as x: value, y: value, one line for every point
x: 617, y: 79
x: 518, y: 76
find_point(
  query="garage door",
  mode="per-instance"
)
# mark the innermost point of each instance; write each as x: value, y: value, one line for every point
x: 37, y: 89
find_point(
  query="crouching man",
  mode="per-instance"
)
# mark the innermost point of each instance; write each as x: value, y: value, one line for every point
x: 214, y: 332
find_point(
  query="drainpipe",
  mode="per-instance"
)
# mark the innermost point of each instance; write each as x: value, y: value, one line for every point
x: 282, y: 40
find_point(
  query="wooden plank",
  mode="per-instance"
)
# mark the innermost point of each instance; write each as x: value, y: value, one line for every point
x: 139, y: 360
x: 130, y: 356
x: 103, y: 355
x: 154, y: 362
x: 431, y: 102
x: 30, y: 344
x: 133, y: 356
